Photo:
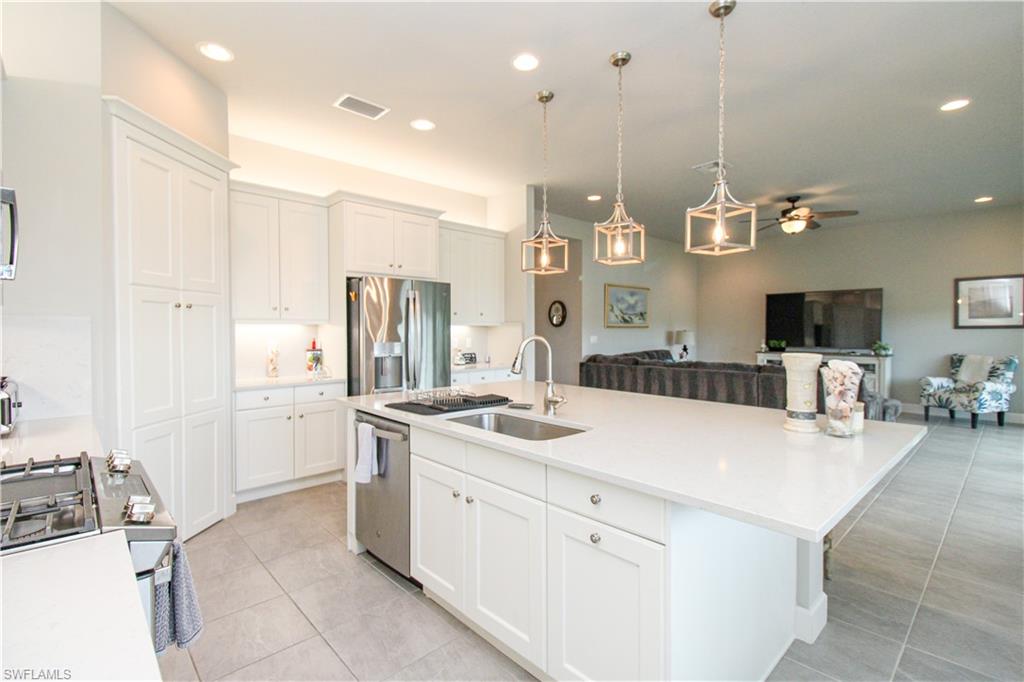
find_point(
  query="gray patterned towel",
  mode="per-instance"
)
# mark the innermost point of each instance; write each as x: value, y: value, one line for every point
x: 178, y: 618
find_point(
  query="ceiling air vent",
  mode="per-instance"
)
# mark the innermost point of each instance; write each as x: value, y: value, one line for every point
x: 361, y: 107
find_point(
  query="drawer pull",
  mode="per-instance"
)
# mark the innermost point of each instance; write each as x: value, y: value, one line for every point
x: 302, y: 416
x: 595, y: 538
x: 266, y: 397
x: 289, y: 417
x: 188, y: 306
x: 177, y: 305
x: 595, y: 499
x: 321, y: 393
x: 469, y: 500
x: 456, y: 493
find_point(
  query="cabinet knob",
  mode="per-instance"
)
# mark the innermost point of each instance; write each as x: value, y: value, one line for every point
x: 469, y: 500
x: 188, y: 306
x: 177, y: 305
x: 287, y: 308
x: 391, y: 265
x: 399, y: 266
x: 273, y: 307
x: 266, y: 397
x: 456, y: 493
x: 302, y: 416
x: 321, y: 393
x: 289, y: 417
x: 595, y: 538
x: 595, y: 499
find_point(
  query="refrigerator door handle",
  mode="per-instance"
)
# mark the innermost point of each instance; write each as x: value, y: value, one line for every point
x: 10, y: 263
x: 410, y: 380
x: 418, y: 356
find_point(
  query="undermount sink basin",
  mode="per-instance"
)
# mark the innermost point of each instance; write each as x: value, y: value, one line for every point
x: 517, y: 427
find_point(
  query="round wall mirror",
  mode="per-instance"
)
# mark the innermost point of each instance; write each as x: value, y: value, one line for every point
x: 556, y: 314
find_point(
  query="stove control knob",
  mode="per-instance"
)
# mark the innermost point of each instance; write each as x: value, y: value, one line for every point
x: 119, y: 462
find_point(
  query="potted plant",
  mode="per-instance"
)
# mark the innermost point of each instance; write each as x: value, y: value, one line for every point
x: 882, y: 349
x: 777, y: 344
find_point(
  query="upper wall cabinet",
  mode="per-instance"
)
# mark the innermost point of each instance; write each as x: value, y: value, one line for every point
x: 279, y: 254
x: 383, y: 241
x: 474, y: 263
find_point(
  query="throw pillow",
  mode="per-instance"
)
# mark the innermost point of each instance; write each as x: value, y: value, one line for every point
x: 974, y: 369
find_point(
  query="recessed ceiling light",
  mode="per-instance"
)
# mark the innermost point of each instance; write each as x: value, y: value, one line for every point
x: 982, y: 200
x: 955, y: 105
x: 422, y: 124
x: 525, y: 62
x: 594, y: 197
x: 217, y: 53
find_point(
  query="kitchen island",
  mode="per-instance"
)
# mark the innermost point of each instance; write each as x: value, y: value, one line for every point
x: 668, y: 538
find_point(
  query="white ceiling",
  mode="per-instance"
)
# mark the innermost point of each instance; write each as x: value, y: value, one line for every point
x: 835, y: 101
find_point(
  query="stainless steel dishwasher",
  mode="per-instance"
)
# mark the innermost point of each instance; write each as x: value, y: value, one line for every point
x: 382, y: 505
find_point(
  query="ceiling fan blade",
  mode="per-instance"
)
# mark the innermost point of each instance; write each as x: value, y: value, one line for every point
x: 765, y: 227
x: 813, y: 225
x: 836, y: 214
x: 765, y: 220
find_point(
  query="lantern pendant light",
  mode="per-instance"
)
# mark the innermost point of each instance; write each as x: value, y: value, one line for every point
x: 620, y: 239
x: 719, y: 226
x: 545, y: 253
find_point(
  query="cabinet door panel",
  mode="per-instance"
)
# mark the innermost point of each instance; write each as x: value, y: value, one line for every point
x: 317, y: 438
x: 438, y: 528
x: 205, y: 443
x: 369, y: 239
x: 416, y: 245
x: 303, y: 262
x: 203, y: 232
x: 255, y: 274
x: 154, y: 216
x: 158, y: 447
x: 490, y: 264
x: 464, y: 288
x: 263, y: 447
x: 505, y: 567
x: 154, y: 341
x: 204, y: 360
x: 605, y: 617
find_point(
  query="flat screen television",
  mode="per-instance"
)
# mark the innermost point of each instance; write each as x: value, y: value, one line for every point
x: 836, y: 320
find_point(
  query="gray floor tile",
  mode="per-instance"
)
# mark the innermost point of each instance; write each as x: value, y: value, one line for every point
x: 226, y: 593
x: 381, y: 641
x: 789, y: 670
x: 312, y: 659
x: 308, y: 565
x: 215, y: 534
x: 886, y: 575
x: 464, y: 658
x: 848, y: 653
x: 441, y: 612
x: 885, y: 544
x: 389, y: 573
x: 219, y: 557
x: 176, y: 665
x: 871, y: 609
x: 978, y: 601
x: 971, y: 557
x: 247, y: 636
x: 263, y: 515
x: 331, y: 601
x: 278, y: 541
x: 978, y: 645
x: 917, y: 666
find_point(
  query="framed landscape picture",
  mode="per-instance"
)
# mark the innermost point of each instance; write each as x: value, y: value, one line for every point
x: 625, y: 306
x: 988, y: 302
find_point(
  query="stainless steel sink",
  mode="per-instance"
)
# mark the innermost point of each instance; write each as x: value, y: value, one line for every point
x: 517, y: 427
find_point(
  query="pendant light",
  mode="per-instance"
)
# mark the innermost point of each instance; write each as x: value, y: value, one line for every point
x: 545, y: 253
x: 620, y: 239
x: 715, y: 227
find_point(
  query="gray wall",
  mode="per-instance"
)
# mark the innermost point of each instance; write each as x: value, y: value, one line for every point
x: 566, y: 341
x: 915, y: 263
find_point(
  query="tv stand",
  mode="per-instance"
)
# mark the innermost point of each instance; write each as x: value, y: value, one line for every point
x: 877, y: 368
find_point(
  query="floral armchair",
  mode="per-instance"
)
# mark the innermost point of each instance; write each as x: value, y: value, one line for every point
x: 981, y: 397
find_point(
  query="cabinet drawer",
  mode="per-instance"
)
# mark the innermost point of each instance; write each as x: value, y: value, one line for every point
x: 271, y: 397
x: 311, y: 394
x: 443, y: 449
x: 506, y: 470
x: 612, y: 504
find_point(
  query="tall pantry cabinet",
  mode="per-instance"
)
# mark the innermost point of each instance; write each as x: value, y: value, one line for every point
x: 171, y: 293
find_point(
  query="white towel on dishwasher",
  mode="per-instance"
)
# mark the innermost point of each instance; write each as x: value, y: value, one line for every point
x: 366, y: 453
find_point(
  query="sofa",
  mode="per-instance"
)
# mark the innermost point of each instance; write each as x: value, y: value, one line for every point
x: 655, y: 372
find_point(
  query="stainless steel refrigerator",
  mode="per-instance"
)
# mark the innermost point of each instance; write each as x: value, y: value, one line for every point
x: 399, y: 334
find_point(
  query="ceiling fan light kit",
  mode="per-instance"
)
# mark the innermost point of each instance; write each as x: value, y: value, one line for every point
x: 620, y: 240
x: 722, y: 224
x: 545, y: 253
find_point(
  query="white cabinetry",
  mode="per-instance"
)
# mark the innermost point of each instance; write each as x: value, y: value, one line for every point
x: 482, y: 376
x: 474, y: 263
x: 605, y: 611
x: 438, y: 528
x: 169, y: 207
x: 382, y: 241
x: 279, y: 257
x: 282, y: 434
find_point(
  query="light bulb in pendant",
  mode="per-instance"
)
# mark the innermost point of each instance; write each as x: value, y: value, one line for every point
x: 545, y: 257
x: 620, y: 244
x: 718, y: 235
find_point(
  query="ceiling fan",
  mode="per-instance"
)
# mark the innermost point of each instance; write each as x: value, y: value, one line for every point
x: 795, y: 219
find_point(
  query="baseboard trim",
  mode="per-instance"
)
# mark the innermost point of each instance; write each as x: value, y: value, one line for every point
x: 808, y: 623
x: 989, y: 418
x: 288, y: 486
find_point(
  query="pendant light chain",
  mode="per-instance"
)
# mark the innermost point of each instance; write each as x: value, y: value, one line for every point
x: 618, y: 193
x: 721, y: 98
x: 544, y: 177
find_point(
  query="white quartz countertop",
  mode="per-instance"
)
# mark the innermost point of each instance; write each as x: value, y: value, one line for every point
x: 41, y: 439
x: 75, y: 607
x: 480, y: 367
x: 733, y: 460
x: 257, y: 383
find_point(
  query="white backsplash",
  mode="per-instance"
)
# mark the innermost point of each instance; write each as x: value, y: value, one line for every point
x: 50, y: 356
x: 499, y: 343
x: 253, y: 339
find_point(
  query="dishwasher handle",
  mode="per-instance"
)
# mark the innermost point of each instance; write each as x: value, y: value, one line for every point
x: 389, y: 435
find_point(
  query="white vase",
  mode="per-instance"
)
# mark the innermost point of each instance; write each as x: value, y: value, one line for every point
x: 801, y: 391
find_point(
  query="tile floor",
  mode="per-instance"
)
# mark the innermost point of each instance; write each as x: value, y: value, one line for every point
x: 927, y: 576
x: 928, y: 570
x: 283, y: 599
